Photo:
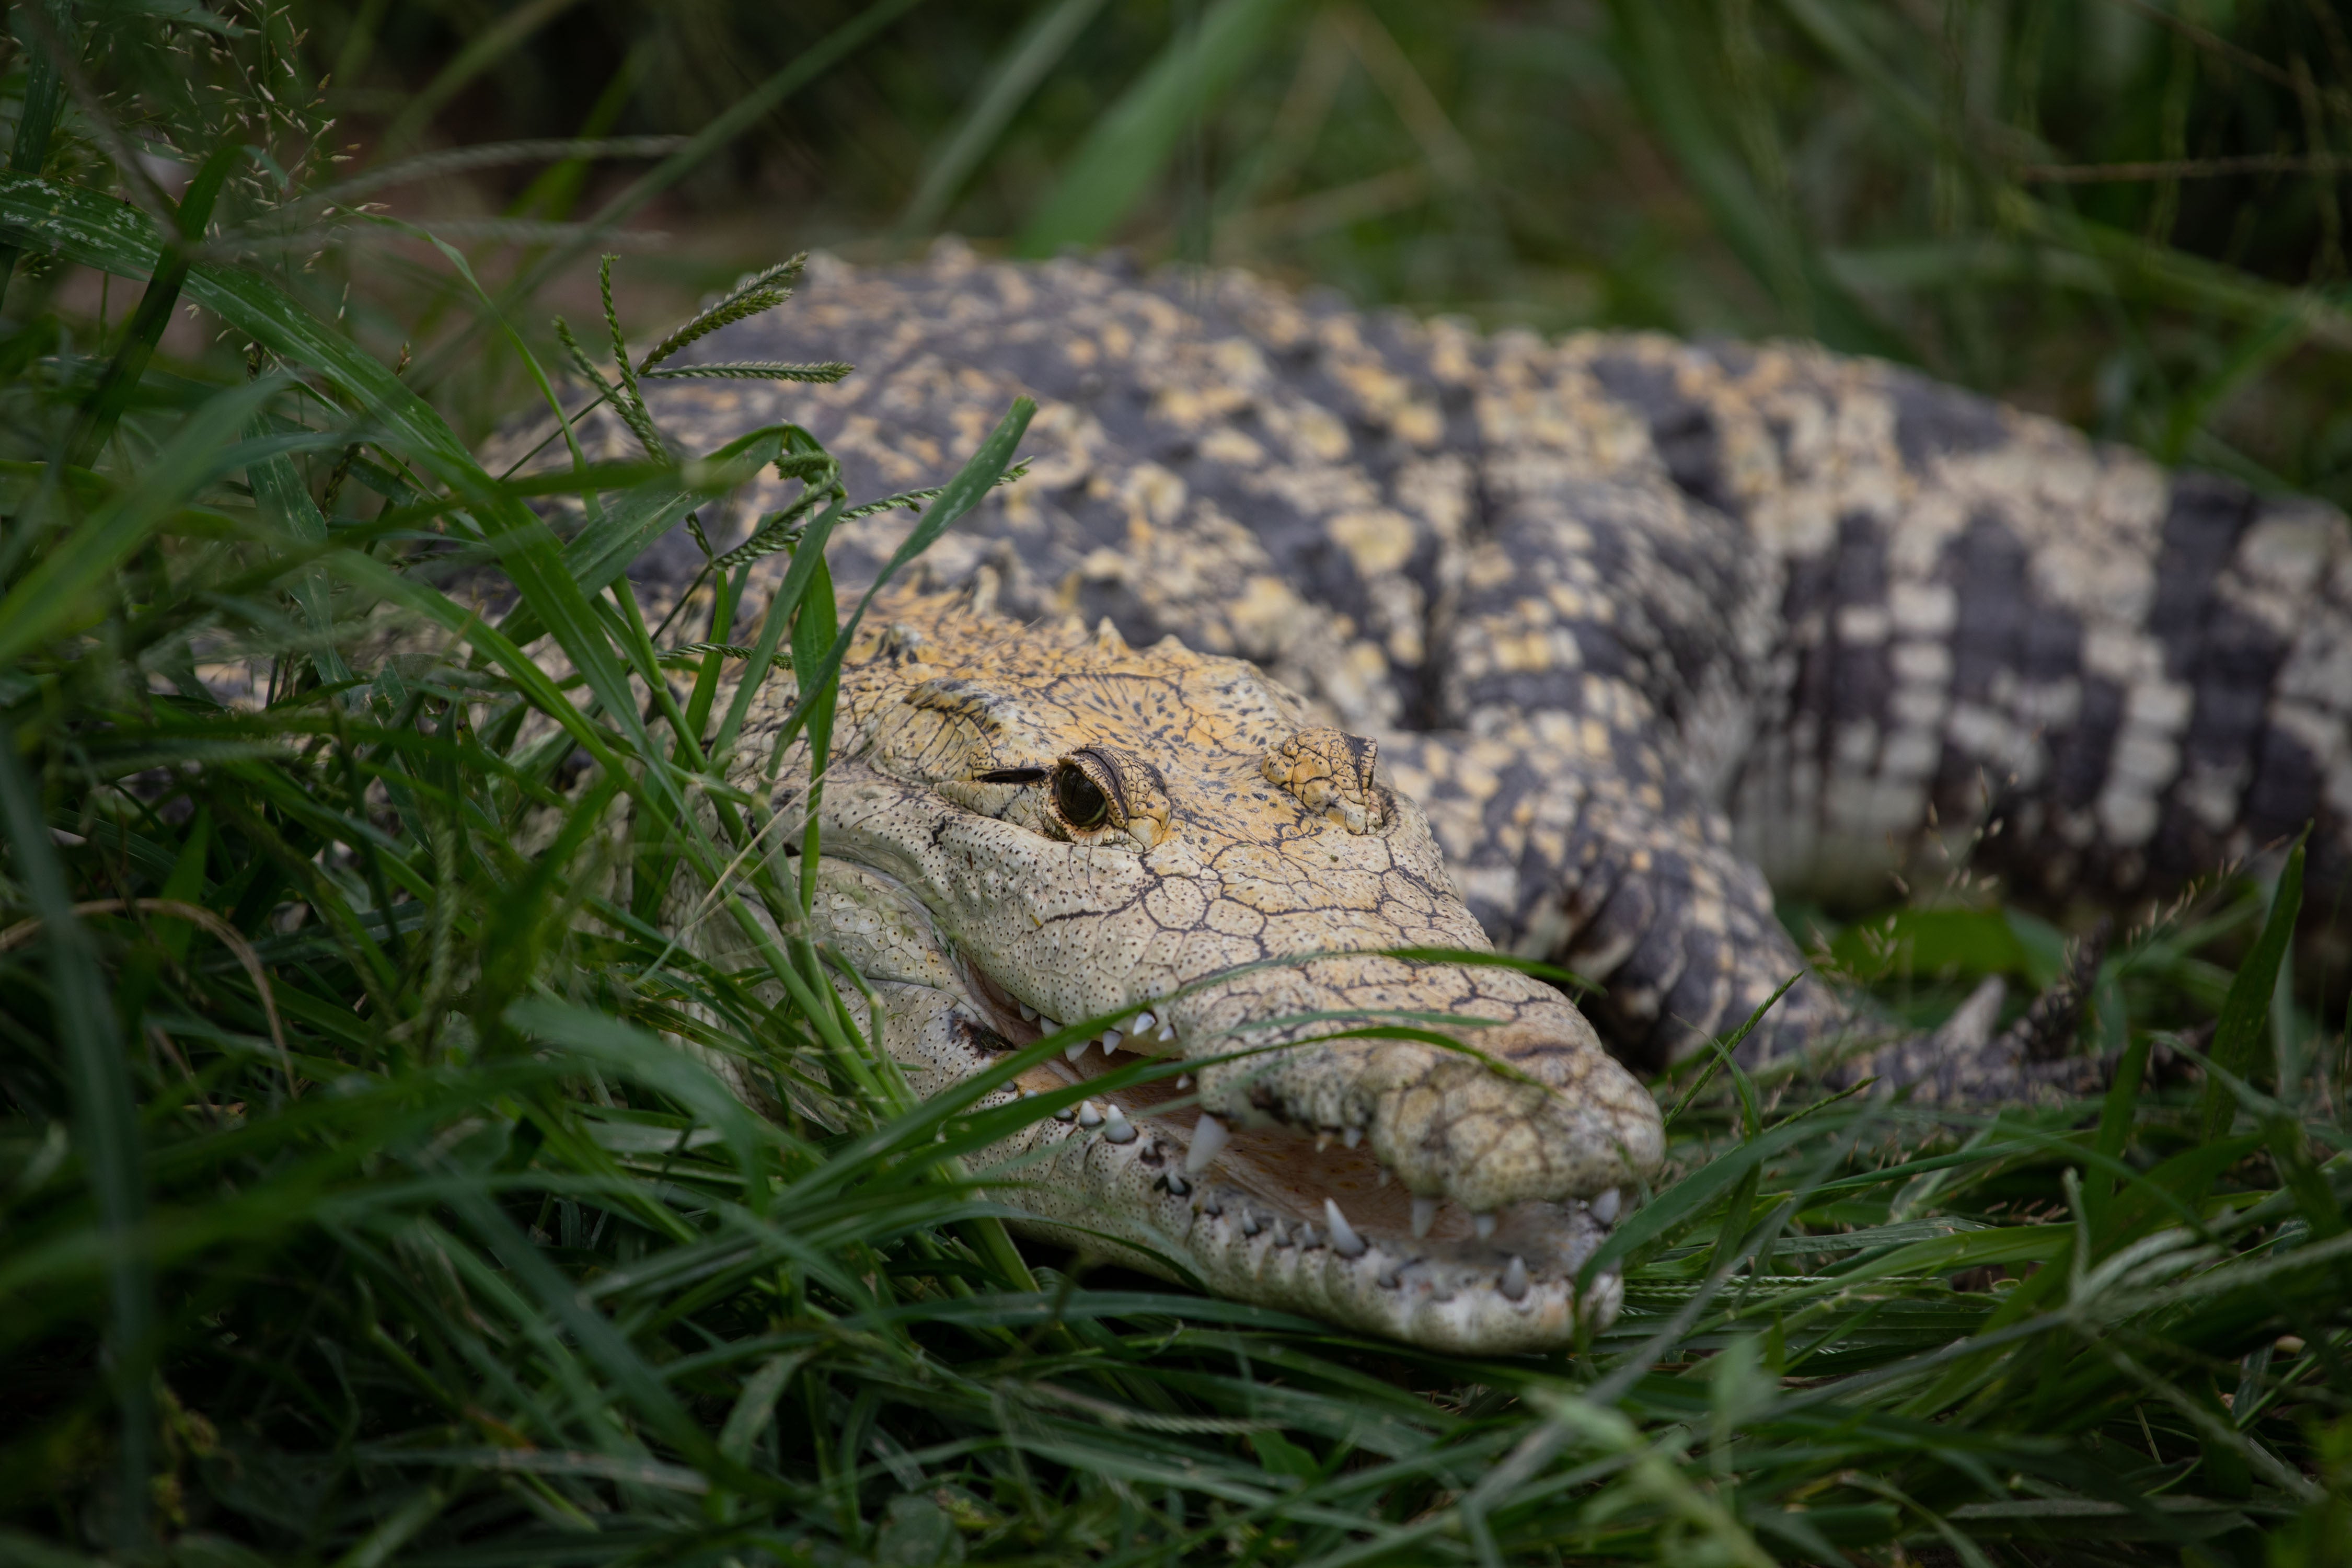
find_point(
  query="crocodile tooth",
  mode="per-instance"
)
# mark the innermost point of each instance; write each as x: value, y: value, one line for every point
x: 1051, y: 1026
x: 1322, y: 1141
x: 1308, y: 1237
x: 1183, y: 1080
x: 1168, y: 1031
x: 1028, y: 1014
x: 1250, y: 1225
x: 1209, y: 1136
x: 1424, y: 1214
x: 1386, y: 1277
x: 1281, y: 1232
x: 1515, y: 1280
x: 1344, y: 1239
x: 1065, y: 1114
x: 1117, y: 1127
x: 1076, y: 1049
x: 1090, y: 1116
x: 1380, y: 1175
x: 1177, y: 1184
x: 1111, y: 1039
x: 1143, y: 1021
x: 1605, y: 1206
x: 1351, y: 1136
x: 1483, y: 1224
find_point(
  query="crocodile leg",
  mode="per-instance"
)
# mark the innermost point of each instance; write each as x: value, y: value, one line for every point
x: 1604, y: 637
x: 1561, y: 864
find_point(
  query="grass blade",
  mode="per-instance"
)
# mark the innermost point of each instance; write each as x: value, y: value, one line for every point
x: 1008, y: 85
x: 981, y: 472
x: 1131, y: 144
x: 483, y: 50
x: 113, y: 395
x: 62, y: 590
x: 2245, y: 1018
x: 36, y: 116
x: 106, y: 1123
x: 740, y: 116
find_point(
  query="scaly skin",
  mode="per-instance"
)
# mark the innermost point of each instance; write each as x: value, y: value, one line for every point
x: 1238, y: 842
x: 1637, y: 623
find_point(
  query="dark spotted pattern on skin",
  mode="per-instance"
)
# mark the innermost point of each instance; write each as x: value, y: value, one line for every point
x: 1647, y: 628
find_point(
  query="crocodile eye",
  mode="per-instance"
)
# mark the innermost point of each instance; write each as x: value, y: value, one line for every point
x: 1080, y: 800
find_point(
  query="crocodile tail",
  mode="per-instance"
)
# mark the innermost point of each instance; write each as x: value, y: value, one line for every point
x: 2002, y: 645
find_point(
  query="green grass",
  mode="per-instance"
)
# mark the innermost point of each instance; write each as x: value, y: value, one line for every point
x: 354, y: 1208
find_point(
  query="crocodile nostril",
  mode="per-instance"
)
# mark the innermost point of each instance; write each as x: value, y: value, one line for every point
x: 1333, y: 772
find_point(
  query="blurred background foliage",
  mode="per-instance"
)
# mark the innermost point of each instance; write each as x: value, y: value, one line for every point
x: 2128, y: 213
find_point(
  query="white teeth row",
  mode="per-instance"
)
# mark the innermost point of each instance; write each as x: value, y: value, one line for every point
x: 1343, y: 1239
x: 1143, y: 1025
x: 1210, y: 1137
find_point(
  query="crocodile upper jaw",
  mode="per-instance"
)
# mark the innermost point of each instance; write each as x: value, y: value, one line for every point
x: 1297, y: 1217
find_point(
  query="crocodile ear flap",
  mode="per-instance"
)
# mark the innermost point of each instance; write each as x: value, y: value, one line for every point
x: 1332, y: 772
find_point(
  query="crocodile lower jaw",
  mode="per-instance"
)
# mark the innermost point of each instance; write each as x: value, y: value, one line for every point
x: 1307, y: 1223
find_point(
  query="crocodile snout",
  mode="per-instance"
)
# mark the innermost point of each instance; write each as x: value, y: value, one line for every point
x: 1493, y: 1090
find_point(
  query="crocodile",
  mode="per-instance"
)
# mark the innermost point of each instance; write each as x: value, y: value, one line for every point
x: 1308, y: 634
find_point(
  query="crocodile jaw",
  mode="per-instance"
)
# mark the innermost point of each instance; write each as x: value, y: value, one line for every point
x: 1516, y: 1291
x: 1251, y: 1223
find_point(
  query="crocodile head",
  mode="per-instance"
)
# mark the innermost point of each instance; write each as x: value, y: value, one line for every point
x: 1043, y: 823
